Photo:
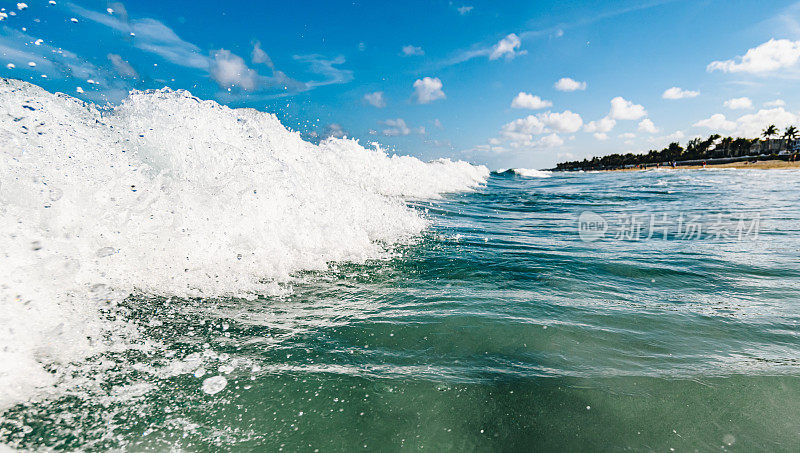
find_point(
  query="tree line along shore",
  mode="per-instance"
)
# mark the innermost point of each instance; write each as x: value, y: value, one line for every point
x: 714, y: 150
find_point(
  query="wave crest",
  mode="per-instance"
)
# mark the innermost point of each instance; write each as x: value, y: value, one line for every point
x: 172, y: 195
x: 531, y: 173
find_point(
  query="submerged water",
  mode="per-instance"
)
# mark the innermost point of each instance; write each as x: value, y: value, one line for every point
x: 500, y: 328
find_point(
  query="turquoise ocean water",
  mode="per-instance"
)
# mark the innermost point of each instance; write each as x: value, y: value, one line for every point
x: 643, y: 311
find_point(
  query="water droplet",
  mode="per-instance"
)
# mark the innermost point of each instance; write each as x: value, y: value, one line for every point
x: 105, y: 251
x: 56, y: 194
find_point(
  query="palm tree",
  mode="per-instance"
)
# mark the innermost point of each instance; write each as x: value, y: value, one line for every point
x: 790, y: 133
x: 770, y: 131
x: 725, y: 145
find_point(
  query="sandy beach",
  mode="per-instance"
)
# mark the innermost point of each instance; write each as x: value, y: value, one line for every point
x: 760, y: 165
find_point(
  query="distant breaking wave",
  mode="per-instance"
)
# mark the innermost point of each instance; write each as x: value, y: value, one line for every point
x: 167, y: 194
x: 527, y: 172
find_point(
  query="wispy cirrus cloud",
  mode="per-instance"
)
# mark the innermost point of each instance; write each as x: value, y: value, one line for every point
x: 122, y: 67
x: 484, y: 48
x: 508, y: 47
x: 326, y: 67
x: 228, y: 70
x: 594, y: 18
x: 18, y: 48
x: 150, y: 35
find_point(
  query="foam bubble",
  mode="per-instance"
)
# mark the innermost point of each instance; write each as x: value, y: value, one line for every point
x: 167, y: 194
x: 214, y: 384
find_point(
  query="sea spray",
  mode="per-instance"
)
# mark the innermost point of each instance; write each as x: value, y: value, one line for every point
x: 532, y: 173
x: 167, y: 194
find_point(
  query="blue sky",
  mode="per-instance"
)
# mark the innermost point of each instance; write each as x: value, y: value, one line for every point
x: 507, y: 84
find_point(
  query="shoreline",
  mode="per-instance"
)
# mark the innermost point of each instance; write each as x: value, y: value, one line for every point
x: 759, y: 165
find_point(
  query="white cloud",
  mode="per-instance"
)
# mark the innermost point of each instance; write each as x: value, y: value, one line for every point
x: 627, y: 135
x: 428, y: 89
x: 57, y: 62
x: 528, y: 126
x: 334, y: 130
x: 528, y: 101
x: 739, y: 104
x: 375, y: 99
x: 602, y: 125
x: 151, y: 36
x: 226, y: 68
x: 258, y: 56
x: 522, y: 131
x: 230, y: 70
x: 647, y: 125
x: 465, y: 9
x: 751, y: 125
x: 551, y: 141
x: 327, y: 68
x: 396, y: 127
x: 507, y: 47
x: 679, y: 93
x: 775, y: 103
x: 622, y: 109
x: 567, y: 84
x: 772, y: 55
x: 677, y: 135
x: 565, y: 121
x: 600, y: 136
x: 410, y: 50
x: 155, y: 37
x: 122, y: 67
x: 716, y: 122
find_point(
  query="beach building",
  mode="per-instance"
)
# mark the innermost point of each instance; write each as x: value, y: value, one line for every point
x: 775, y: 146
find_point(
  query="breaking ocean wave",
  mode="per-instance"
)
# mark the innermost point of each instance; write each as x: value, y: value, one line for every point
x: 169, y: 195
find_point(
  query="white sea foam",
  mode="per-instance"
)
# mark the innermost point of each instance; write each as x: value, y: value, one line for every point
x: 167, y: 194
x: 532, y: 173
x: 214, y: 384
